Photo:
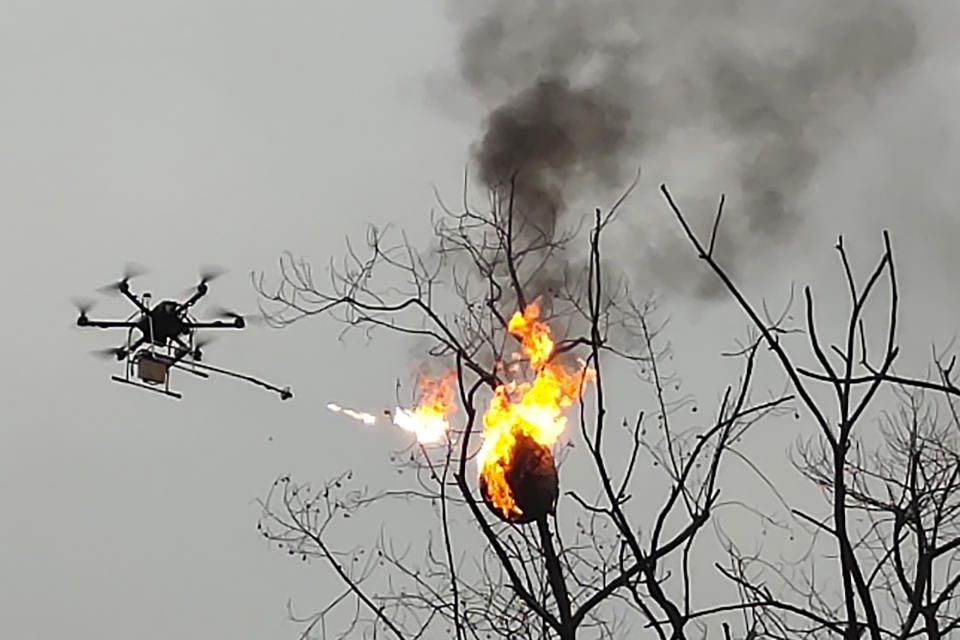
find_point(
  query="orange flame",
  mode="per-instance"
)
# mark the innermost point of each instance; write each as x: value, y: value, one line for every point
x: 535, y: 408
x: 430, y: 420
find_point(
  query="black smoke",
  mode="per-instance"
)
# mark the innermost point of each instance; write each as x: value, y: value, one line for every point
x: 580, y: 94
x: 546, y: 140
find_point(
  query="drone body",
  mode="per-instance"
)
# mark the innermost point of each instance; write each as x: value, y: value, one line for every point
x: 163, y: 336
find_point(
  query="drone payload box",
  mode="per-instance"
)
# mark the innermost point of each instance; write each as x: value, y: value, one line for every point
x: 151, y: 370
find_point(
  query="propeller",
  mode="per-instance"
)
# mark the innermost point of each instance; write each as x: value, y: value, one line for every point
x: 130, y: 271
x: 199, y: 344
x: 222, y: 313
x: 210, y: 273
x: 83, y: 305
x: 116, y: 353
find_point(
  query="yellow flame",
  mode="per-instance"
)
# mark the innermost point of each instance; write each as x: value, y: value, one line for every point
x: 430, y: 420
x: 535, y: 336
x: 428, y: 428
x: 520, y: 407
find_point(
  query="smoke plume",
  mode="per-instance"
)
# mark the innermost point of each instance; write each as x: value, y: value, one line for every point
x: 581, y: 94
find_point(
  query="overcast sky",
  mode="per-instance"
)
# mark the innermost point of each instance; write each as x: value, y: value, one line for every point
x: 179, y: 134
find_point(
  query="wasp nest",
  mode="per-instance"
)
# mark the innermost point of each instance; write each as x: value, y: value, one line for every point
x: 532, y: 479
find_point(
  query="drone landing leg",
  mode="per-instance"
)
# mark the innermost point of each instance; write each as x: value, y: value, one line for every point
x: 166, y: 392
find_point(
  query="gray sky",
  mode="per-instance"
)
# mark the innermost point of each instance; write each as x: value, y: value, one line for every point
x: 174, y: 135
x: 227, y: 132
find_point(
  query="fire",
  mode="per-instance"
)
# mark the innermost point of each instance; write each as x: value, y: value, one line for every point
x: 430, y: 420
x: 362, y: 416
x: 523, y: 408
x: 525, y: 417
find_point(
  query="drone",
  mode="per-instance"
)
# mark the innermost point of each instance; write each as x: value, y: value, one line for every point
x: 163, y: 336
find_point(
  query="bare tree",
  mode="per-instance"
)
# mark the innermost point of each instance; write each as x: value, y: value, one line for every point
x: 890, y: 535
x: 880, y: 561
x: 600, y: 563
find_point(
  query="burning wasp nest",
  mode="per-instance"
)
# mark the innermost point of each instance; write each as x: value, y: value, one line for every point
x: 523, y: 487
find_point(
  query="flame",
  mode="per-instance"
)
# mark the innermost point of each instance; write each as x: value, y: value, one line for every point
x: 362, y: 416
x: 430, y: 420
x: 535, y: 408
x: 521, y: 407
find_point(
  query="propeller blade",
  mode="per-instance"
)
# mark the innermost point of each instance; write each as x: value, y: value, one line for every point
x: 222, y: 313
x: 115, y: 353
x: 83, y: 305
x: 130, y: 270
x: 133, y: 270
x: 109, y: 288
x: 198, y: 346
x: 210, y: 273
x: 200, y: 343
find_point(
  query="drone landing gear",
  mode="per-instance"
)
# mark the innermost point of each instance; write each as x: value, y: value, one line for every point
x: 153, y: 370
x: 165, y: 391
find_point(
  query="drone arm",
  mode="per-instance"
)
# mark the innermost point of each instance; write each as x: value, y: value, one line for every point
x: 125, y: 290
x: 237, y: 323
x: 192, y: 300
x: 83, y: 321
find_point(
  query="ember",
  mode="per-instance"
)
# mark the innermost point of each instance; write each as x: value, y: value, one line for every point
x: 518, y: 478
